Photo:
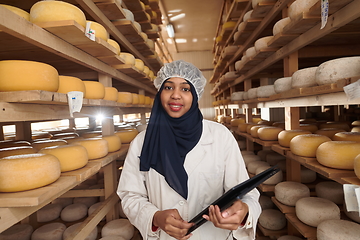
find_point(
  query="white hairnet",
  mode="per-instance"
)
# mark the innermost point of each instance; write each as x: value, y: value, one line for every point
x: 184, y: 70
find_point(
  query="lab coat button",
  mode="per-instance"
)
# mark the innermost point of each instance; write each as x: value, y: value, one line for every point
x: 181, y: 203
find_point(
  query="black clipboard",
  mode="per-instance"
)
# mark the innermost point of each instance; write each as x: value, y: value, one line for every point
x: 233, y: 194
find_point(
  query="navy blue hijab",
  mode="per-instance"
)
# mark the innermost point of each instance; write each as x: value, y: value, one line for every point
x: 168, y: 140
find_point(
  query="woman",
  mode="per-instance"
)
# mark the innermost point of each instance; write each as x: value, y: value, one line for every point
x: 181, y: 164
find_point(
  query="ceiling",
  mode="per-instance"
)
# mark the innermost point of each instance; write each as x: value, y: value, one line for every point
x: 194, y: 21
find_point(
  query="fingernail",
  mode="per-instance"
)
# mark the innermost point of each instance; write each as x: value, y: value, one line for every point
x: 224, y: 214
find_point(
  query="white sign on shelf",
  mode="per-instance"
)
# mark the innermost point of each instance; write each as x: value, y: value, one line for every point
x: 75, y: 100
x: 324, y: 12
x: 352, y: 90
x: 352, y: 197
x: 90, y: 33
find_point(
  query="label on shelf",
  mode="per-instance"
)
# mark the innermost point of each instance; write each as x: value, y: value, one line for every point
x: 324, y: 12
x: 90, y: 33
x: 352, y: 197
x: 75, y: 100
x: 352, y: 90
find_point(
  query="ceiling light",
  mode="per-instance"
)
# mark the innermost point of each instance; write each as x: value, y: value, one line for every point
x: 175, y: 11
x: 170, y: 30
x: 180, y: 40
x: 194, y: 40
x: 177, y: 17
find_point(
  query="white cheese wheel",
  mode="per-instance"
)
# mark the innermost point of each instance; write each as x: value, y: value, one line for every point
x: 236, y: 121
x: 346, y: 136
x: 69, y: 84
x: 252, y: 93
x: 127, y: 135
x: 252, y: 166
x: 74, y: 212
x: 49, y: 212
x: 38, y: 145
x: 289, y: 192
x: 36, y: 170
x: 266, y: 91
x: 275, y: 179
x: 114, y: 142
x: 239, y: 65
x: 124, y: 97
x: 250, y: 52
x: 135, y: 98
x: 144, y: 36
x: 111, y: 94
x: 338, y: 154
x: 71, y: 156
x: 49, y: 11
x: 307, y: 175
x: 87, y: 201
x: 94, y: 90
x: 266, y: 202
x: 12, y: 151
x: 139, y: 64
x: 129, y: 15
x: 285, y: 136
x: 300, y: 6
x: 53, y: 231
x: 279, y: 25
x: 329, y: 132
x: 272, y: 219
x: 231, y: 75
x: 119, y: 227
x: 247, y: 15
x: 128, y: 58
x: 237, y: 96
x: 355, y: 129
x: 314, y: 210
x: 17, y: 11
x: 20, y: 75
x: 21, y: 231
x: 262, y: 43
x: 282, y: 84
x: 248, y: 158
x: 273, y: 158
x: 92, y: 235
x: 330, y: 190
x: 306, y: 144
x: 304, y: 78
x: 95, y: 147
x: 230, y: 50
x: 115, y: 45
x: 338, y: 230
x: 93, y: 208
x: 269, y: 133
x: 100, y: 31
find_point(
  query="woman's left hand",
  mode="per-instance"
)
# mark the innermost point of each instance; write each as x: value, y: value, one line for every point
x: 230, y: 218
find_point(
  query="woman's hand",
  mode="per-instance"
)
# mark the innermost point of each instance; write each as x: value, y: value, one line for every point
x: 171, y: 222
x: 230, y: 218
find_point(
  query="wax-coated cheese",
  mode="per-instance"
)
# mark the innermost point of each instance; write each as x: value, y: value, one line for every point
x: 71, y: 157
x: 141, y: 99
x: 289, y: 192
x: 306, y: 144
x: 38, y: 145
x: 338, y: 230
x: 21, y: 231
x: 254, y: 130
x: 135, y: 98
x: 330, y: 190
x: 347, y: 136
x: 127, y: 135
x: 49, y: 212
x: 69, y: 84
x: 148, y: 100
x: 272, y: 219
x: 269, y: 133
x: 115, y: 45
x: 12, y: 151
x: 304, y: 78
x: 113, y: 141
x: 279, y: 25
x: 120, y: 227
x: 28, y: 171
x: 338, y: 154
x: 285, y: 136
x: 111, y: 94
x: 235, y: 121
x: 70, y: 230
x: 329, y: 132
x: 99, y: 29
x: 53, y: 231
x: 308, y: 127
x: 125, y: 97
x: 49, y: 11
x: 21, y: 75
x: 96, y: 147
x: 282, y: 84
x: 128, y: 58
x: 18, y: 11
x: 94, y: 90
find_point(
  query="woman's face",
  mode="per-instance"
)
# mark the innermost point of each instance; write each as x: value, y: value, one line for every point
x: 176, y: 97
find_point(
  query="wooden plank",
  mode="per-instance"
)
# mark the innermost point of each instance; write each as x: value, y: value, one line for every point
x: 112, y: 60
x: 85, y: 172
x: 307, y: 231
x: 281, y: 39
x: 144, y: 48
x: 334, y: 6
x: 111, y: 9
x: 301, y: 24
x: 280, y: 149
x: 282, y: 207
x: 127, y: 28
x: 133, y: 5
x: 266, y: 143
x: 262, y: 9
x: 152, y: 34
x: 130, y: 70
x: 84, y: 193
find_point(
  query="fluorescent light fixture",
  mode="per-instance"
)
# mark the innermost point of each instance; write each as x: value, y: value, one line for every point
x: 180, y: 40
x: 170, y: 30
x: 177, y: 17
x: 194, y: 40
x: 175, y: 11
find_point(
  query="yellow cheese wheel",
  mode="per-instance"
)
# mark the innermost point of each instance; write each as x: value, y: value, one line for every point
x: 28, y: 171
x: 248, y: 126
x: 139, y: 64
x: 17, y: 11
x: 135, y: 98
x: 115, y: 45
x: 124, y: 97
x: 71, y: 157
x: 12, y: 151
x: 340, y: 125
x: 355, y: 129
x: 269, y: 133
x: 338, y: 154
x: 329, y: 132
x: 347, y: 136
x: 94, y: 90
x: 242, y: 127
x: 6, y: 144
x: 150, y: 43
x: 128, y: 58
x: 236, y: 121
x: 308, y: 127
x: 48, y: 11
x: 69, y: 84
x: 111, y: 94
x: 127, y: 135
x: 357, y: 165
x: 141, y: 99
x: 20, y: 75
x: 144, y: 36
x: 38, y: 145
x: 147, y: 100
x: 285, y: 136
x: 254, y: 130
x: 96, y: 147
x: 146, y: 70
x: 355, y: 123
x: 99, y: 29
x: 306, y: 145
x: 113, y: 141
x: 151, y: 75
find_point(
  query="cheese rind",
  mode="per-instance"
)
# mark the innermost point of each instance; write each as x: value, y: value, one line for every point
x: 99, y: 29
x: 119, y: 227
x: 96, y: 147
x: 285, y: 136
x: 69, y: 84
x: 282, y: 84
x: 127, y: 135
x: 304, y: 78
x: 337, y: 230
x: 124, y: 97
x: 113, y: 141
x: 111, y: 94
x: 18, y: 11
x: 279, y: 25
x: 94, y: 90
x: 289, y: 192
x: 272, y: 219
x: 53, y: 231
x: 269, y: 133
x: 306, y: 145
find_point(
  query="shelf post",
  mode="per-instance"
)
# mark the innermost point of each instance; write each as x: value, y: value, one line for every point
x: 23, y: 131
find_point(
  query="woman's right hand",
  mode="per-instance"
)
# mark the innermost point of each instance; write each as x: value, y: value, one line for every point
x: 171, y: 222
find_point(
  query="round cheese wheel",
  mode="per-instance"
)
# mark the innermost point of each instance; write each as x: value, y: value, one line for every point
x: 94, y: 207
x: 74, y: 212
x: 338, y: 154
x: 266, y: 202
x: 308, y: 127
x: 355, y: 129
x: 36, y: 170
x: 329, y: 132
x: 263, y: 153
x: 49, y: 11
x: 38, y: 145
x: 279, y: 25
x: 128, y: 58
x: 87, y: 201
x: 20, y: 75
x: 275, y: 179
x: 252, y: 93
x: 229, y: 25
x: 272, y: 219
x: 53, y: 231
x: 254, y: 129
x: 273, y: 158
x: 249, y: 158
x: 282, y: 84
x: 250, y: 52
x: 289, y: 192
x: 285, y: 136
x: 69, y: 84
x: 235, y: 121
x: 249, y: 126
x: 96, y: 147
x: 144, y: 36
x: 12, y: 151
x: 111, y: 94
x: 127, y: 135
x: 247, y: 15
x: 333, y: 70
x: 337, y: 230
x: 269, y: 133
x: 147, y: 100
x: 347, y: 136
x: 306, y: 144
x: 357, y: 165
x: 242, y: 127
x: 119, y: 227
x: 100, y: 31
x: 237, y: 96
x: 298, y: 7
x: 49, y: 212
x: 113, y: 141
x: 115, y: 45
x: 266, y: 91
x: 146, y: 70
x: 69, y: 231
x: 124, y: 97
x: 135, y: 98
x: 339, y: 125
x: 313, y: 210
x: 94, y: 90
x: 330, y: 190
x: 304, y: 78
x: 17, y: 11
x: 355, y: 123
x: 141, y: 99
x: 262, y: 43
x: 252, y: 166
x: 139, y: 64
x: 128, y: 14
x: 21, y: 231
x: 71, y: 157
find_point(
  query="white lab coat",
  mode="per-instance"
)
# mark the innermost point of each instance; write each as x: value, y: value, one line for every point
x: 213, y: 166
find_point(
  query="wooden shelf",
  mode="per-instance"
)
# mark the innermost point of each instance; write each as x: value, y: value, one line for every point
x: 111, y: 9
x: 282, y: 207
x: 307, y: 231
